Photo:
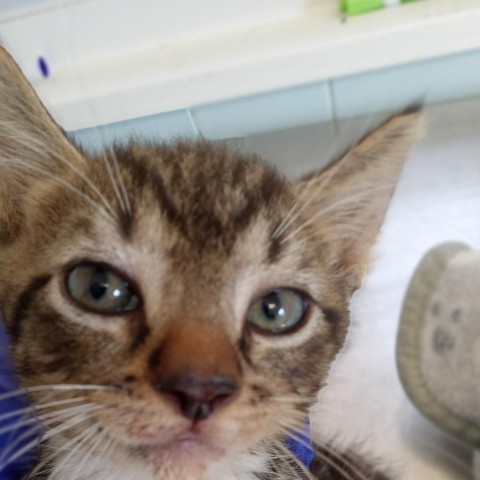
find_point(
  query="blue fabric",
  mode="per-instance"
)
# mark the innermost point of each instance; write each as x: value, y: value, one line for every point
x: 15, y: 469
x: 301, y: 446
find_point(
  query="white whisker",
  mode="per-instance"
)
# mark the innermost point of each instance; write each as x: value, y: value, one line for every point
x: 66, y: 184
x: 89, y: 454
x: 345, y: 461
x: 87, y: 407
x: 296, y: 211
x: 17, y: 425
x: 46, y: 420
x: 109, y: 170
x: 110, y: 445
x: 65, y: 426
x: 34, y: 432
x: 349, y: 232
x: 58, y: 388
x: 49, y: 434
x: 294, y: 434
x: 32, y: 409
x: 15, y: 160
x: 284, y: 459
x: 357, y: 198
x: 19, y: 453
x: 87, y: 435
x: 56, y: 452
x: 297, y: 462
x: 294, y: 400
x: 337, y: 467
x: 121, y: 182
x: 89, y: 183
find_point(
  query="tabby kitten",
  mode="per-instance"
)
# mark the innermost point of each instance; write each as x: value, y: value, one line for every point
x: 174, y: 309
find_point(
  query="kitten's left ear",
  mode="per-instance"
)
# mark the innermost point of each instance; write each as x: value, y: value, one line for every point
x: 346, y: 203
x: 27, y: 131
x: 32, y: 146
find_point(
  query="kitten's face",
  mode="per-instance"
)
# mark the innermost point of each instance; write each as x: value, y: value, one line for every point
x: 196, y: 297
x: 199, y: 251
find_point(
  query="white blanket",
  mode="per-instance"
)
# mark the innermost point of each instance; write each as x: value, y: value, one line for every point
x: 438, y: 199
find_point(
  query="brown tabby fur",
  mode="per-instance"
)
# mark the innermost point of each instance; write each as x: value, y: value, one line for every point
x: 201, y: 233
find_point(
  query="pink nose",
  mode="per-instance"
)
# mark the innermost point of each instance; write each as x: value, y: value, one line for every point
x: 198, y: 398
x: 196, y: 365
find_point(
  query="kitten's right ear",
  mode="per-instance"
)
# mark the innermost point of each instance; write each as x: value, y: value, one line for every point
x: 345, y: 204
x: 32, y: 145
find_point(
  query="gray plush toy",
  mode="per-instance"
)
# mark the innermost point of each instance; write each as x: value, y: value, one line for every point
x: 438, y: 347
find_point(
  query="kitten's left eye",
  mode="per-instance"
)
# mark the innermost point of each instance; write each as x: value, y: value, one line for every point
x: 278, y: 311
x: 98, y: 288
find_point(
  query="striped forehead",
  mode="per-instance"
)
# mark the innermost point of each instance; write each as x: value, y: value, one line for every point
x: 204, y: 195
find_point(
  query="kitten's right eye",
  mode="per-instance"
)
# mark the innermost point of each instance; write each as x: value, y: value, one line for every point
x: 98, y: 288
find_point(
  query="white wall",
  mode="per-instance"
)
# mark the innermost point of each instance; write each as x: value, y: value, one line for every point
x: 115, y: 60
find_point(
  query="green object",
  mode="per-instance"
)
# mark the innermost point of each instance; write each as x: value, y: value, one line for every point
x: 354, y: 7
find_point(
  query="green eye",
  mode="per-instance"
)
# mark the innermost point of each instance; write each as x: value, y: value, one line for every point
x: 100, y: 289
x: 278, y: 311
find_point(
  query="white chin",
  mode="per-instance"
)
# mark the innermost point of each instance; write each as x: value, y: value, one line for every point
x: 179, y: 460
x: 187, y: 459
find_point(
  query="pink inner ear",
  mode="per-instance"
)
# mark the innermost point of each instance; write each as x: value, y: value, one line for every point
x: 346, y: 203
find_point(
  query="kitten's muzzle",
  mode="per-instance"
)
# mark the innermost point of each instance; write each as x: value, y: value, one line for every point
x: 196, y: 366
x: 199, y: 398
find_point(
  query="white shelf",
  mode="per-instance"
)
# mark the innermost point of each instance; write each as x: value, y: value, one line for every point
x: 130, y: 70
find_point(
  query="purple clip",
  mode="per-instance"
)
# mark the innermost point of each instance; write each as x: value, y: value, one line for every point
x: 44, y: 67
